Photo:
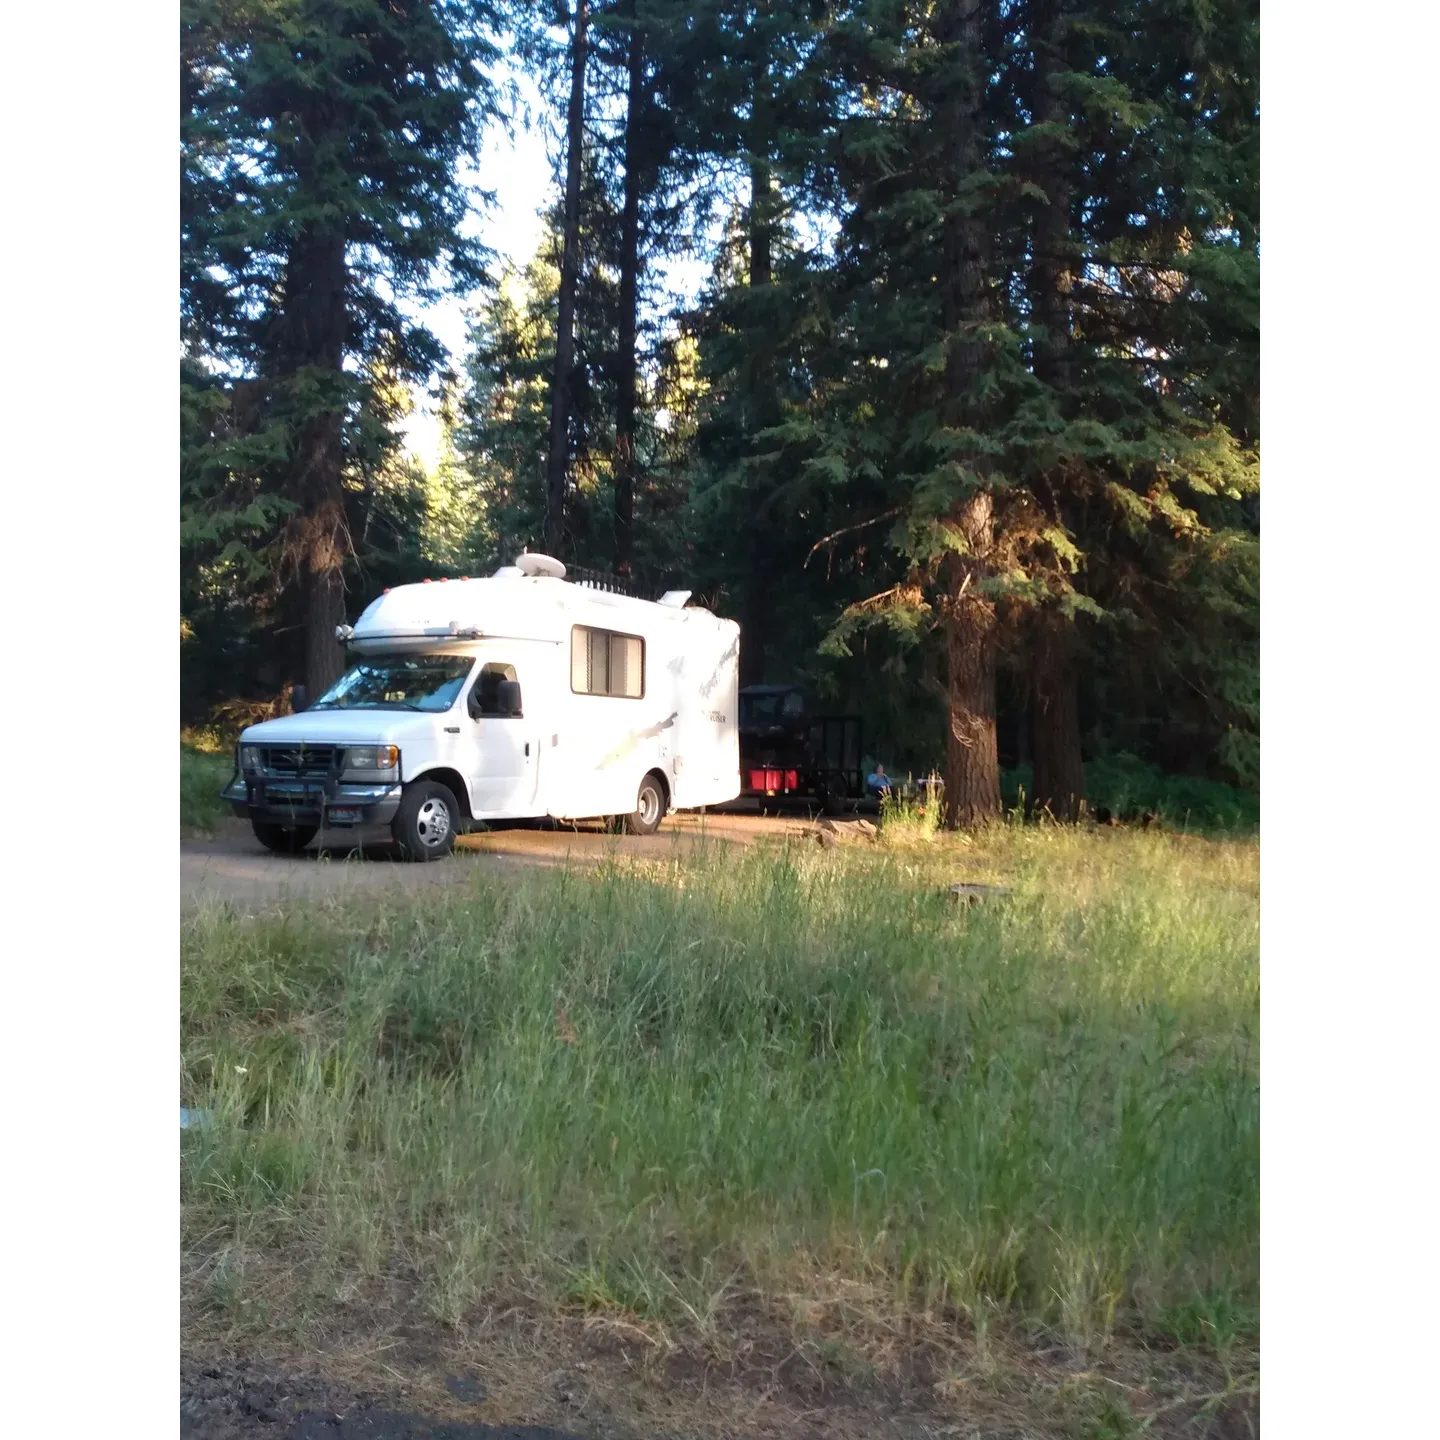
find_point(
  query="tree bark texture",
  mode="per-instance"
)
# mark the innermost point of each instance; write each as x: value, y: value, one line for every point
x: 1059, y: 773
x: 308, y: 338
x: 629, y: 302
x: 1059, y: 788
x: 762, y: 409
x: 972, y: 759
x: 761, y: 222
x: 1052, y: 272
x: 558, y: 463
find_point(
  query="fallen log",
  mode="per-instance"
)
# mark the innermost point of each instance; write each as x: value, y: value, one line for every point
x: 969, y: 893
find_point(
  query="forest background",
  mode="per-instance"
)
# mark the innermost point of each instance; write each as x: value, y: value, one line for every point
x: 922, y: 340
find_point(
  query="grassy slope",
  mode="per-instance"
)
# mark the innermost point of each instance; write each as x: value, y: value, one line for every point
x: 806, y: 1082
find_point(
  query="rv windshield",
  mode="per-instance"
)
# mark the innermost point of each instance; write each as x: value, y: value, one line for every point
x: 399, y: 682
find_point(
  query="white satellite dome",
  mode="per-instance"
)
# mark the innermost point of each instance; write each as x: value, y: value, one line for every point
x: 546, y: 565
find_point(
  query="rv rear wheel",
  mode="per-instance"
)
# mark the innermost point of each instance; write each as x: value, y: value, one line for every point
x: 424, y: 825
x: 284, y: 839
x: 649, y: 808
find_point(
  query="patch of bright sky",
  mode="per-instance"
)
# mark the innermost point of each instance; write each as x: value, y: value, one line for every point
x: 520, y: 169
x: 517, y: 169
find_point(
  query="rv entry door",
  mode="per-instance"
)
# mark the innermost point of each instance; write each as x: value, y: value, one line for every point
x: 504, y: 755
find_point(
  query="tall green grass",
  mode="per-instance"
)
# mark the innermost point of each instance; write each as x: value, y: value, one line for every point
x: 797, y: 1072
x: 203, y: 774
x: 1127, y: 785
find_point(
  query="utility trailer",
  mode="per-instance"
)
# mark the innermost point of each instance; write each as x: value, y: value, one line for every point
x: 519, y: 695
x: 787, y: 752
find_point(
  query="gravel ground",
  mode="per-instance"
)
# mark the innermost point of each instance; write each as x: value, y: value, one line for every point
x: 233, y: 865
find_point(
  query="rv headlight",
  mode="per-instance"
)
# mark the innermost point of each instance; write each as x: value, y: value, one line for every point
x: 372, y: 757
x: 250, y: 757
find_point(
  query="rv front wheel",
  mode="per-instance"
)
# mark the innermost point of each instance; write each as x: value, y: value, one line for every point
x: 649, y: 808
x: 424, y: 825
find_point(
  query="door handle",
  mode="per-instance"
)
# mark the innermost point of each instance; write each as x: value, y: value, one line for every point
x: 527, y: 749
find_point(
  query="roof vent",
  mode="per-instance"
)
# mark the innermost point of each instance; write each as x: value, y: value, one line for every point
x: 677, y: 598
x: 545, y: 565
x: 509, y: 572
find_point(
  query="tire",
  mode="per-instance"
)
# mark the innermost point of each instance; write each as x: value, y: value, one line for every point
x: 284, y: 839
x: 649, y: 809
x: 424, y: 826
x: 832, y: 797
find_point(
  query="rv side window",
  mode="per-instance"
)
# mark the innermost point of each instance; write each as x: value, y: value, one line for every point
x: 604, y: 663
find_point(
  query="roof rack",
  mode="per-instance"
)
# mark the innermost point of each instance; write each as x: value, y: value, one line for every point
x: 615, y: 584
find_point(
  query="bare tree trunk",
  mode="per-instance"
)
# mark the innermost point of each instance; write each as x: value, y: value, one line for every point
x: 761, y: 407
x: 1052, y: 273
x: 972, y: 759
x: 560, y: 398
x: 1059, y: 772
x: 629, y: 301
x: 324, y: 590
x: 761, y: 221
x: 308, y: 337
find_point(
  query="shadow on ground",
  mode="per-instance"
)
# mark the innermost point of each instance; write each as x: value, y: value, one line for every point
x: 237, y: 1404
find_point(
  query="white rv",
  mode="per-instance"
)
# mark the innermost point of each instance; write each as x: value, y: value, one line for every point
x: 519, y: 695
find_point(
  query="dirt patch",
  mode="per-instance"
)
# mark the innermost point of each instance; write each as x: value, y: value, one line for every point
x: 517, y: 1366
x: 245, y: 1401
x: 232, y: 865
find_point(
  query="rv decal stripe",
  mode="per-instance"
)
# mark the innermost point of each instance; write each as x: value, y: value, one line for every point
x: 633, y: 739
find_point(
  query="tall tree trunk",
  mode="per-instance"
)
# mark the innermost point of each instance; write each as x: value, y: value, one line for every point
x: 761, y: 411
x: 1059, y: 772
x: 1059, y: 787
x: 972, y: 759
x: 307, y: 343
x: 561, y: 392
x: 629, y: 301
x: 762, y: 220
x: 1052, y: 275
x: 324, y: 606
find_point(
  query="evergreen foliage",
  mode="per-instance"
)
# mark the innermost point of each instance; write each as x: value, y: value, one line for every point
x: 321, y: 201
x: 964, y: 428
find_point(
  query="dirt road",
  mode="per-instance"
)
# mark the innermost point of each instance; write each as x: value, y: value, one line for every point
x: 233, y: 865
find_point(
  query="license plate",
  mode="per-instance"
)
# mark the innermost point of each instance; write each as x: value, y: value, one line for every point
x: 340, y: 815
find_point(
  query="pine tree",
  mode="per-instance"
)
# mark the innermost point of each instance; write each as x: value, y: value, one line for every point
x: 319, y: 192
x: 562, y: 398
x: 1123, y: 145
x: 1000, y: 368
x: 510, y: 370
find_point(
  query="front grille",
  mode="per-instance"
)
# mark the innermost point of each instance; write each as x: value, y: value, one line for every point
x: 304, y: 762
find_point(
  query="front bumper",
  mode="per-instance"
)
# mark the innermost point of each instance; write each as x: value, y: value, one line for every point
x: 311, y: 802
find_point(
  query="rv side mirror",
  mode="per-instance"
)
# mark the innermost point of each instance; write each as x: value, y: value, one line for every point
x: 507, y: 697
x: 299, y: 699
